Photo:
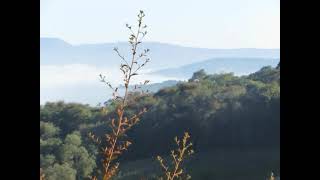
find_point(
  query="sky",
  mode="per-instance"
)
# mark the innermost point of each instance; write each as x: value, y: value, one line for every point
x: 196, y: 23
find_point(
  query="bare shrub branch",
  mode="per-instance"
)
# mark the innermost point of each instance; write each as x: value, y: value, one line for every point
x: 115, y: 144
x: 184, y: 149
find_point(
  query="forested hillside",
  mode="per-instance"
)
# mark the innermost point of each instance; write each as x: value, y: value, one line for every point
x: 219, y: 111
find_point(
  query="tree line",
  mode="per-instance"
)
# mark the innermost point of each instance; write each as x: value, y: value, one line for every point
x: 219, y: 111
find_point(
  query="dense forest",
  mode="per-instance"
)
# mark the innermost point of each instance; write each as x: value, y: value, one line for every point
x: 219, y: 111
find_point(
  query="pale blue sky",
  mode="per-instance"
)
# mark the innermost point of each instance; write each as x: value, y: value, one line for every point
x: 197, y: 23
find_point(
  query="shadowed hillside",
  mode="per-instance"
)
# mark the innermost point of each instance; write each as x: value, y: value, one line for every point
x: 234, y: 123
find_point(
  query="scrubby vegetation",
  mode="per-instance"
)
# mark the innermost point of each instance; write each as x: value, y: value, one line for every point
x: 220, y: 111
x: 176, y: 171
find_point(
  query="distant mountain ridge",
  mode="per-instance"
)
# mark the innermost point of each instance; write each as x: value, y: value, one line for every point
x: 63, y: 63
x: 56, y: 51
x: 239, y: 66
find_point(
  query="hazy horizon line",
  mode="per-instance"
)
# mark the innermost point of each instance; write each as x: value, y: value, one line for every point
x: 159, y: 42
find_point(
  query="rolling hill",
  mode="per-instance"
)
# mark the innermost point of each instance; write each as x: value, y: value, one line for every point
x: 55, y: 51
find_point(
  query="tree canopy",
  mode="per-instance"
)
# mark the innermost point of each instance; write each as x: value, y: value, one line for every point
x: 219, y: 110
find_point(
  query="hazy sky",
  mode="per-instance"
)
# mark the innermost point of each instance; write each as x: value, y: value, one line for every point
x: 198, y: 23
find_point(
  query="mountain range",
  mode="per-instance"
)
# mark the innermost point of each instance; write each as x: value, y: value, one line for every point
x: 238, y: 66
x: 58, y: 52
x: 70, y: 72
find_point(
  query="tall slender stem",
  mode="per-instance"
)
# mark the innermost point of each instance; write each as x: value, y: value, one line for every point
x: 123, y: 104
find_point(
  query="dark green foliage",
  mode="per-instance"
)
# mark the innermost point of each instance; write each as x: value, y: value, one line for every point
x: 267, y: 74
x: 198, y: 75
x: 222, y: 164
x: 77, y: 156
x: 219, y: 111
x: 60, y: 171
x: 66, y: 152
